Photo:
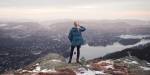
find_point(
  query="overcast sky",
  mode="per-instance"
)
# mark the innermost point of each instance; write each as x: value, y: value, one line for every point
x: 75, y: 9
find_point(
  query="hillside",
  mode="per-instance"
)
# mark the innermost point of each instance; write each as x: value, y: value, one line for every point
x: 54, y: 64
x: 141, y: 51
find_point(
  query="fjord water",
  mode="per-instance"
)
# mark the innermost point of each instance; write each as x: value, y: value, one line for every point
x: 90, y: 52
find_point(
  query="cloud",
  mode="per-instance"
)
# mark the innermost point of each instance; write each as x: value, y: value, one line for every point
x: 64, y: 3
x: 39, y: 9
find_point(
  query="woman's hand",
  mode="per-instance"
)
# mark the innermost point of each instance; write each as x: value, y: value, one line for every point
x: 82, y: 28
x: 78, y: 24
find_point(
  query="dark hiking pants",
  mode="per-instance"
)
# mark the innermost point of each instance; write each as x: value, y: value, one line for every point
x: 78, y: 53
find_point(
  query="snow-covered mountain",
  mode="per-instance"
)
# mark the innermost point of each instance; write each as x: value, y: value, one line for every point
x: 21, y: 43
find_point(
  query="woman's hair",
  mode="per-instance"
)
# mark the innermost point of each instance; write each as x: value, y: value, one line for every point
x: 75, y: 23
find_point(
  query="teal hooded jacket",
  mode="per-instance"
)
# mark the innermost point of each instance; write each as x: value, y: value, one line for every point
x: 75, y: 36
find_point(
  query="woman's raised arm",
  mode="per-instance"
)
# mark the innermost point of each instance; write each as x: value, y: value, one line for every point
x: 82, y: 28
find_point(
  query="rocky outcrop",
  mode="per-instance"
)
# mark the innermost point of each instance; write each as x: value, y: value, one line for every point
x: 123, y: 66
x: 64, y: 71
x: 54, y: 64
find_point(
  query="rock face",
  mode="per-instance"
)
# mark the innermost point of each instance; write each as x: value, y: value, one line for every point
x: 109, y: 67
x: 64, y: 71
x: 51, y: 64
x: 49, y: 61
x: 54, y: 64
x: 52, y: 61
x: 123, y: 66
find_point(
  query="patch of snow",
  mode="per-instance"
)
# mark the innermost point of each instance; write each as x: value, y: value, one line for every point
x: 36, y: 52
x: 99, y: 72
x: 24, y: 70
x: 127, y: 60
x: 134, y: 62
x: 56, y: 60
x: 145, y: 68
x: 106, y: 61
x: 90, y: 72
x: 148, y: 63
x: 133, y: 36
x: 37, y: 69
x: 48, y: 70
x: 131, y: 62
x: 109, y: 67
x: 82, y: 70
x: 88, y: 65
x: 37, y: 64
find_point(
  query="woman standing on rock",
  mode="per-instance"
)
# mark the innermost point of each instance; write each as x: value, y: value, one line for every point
x: 76, y: 39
